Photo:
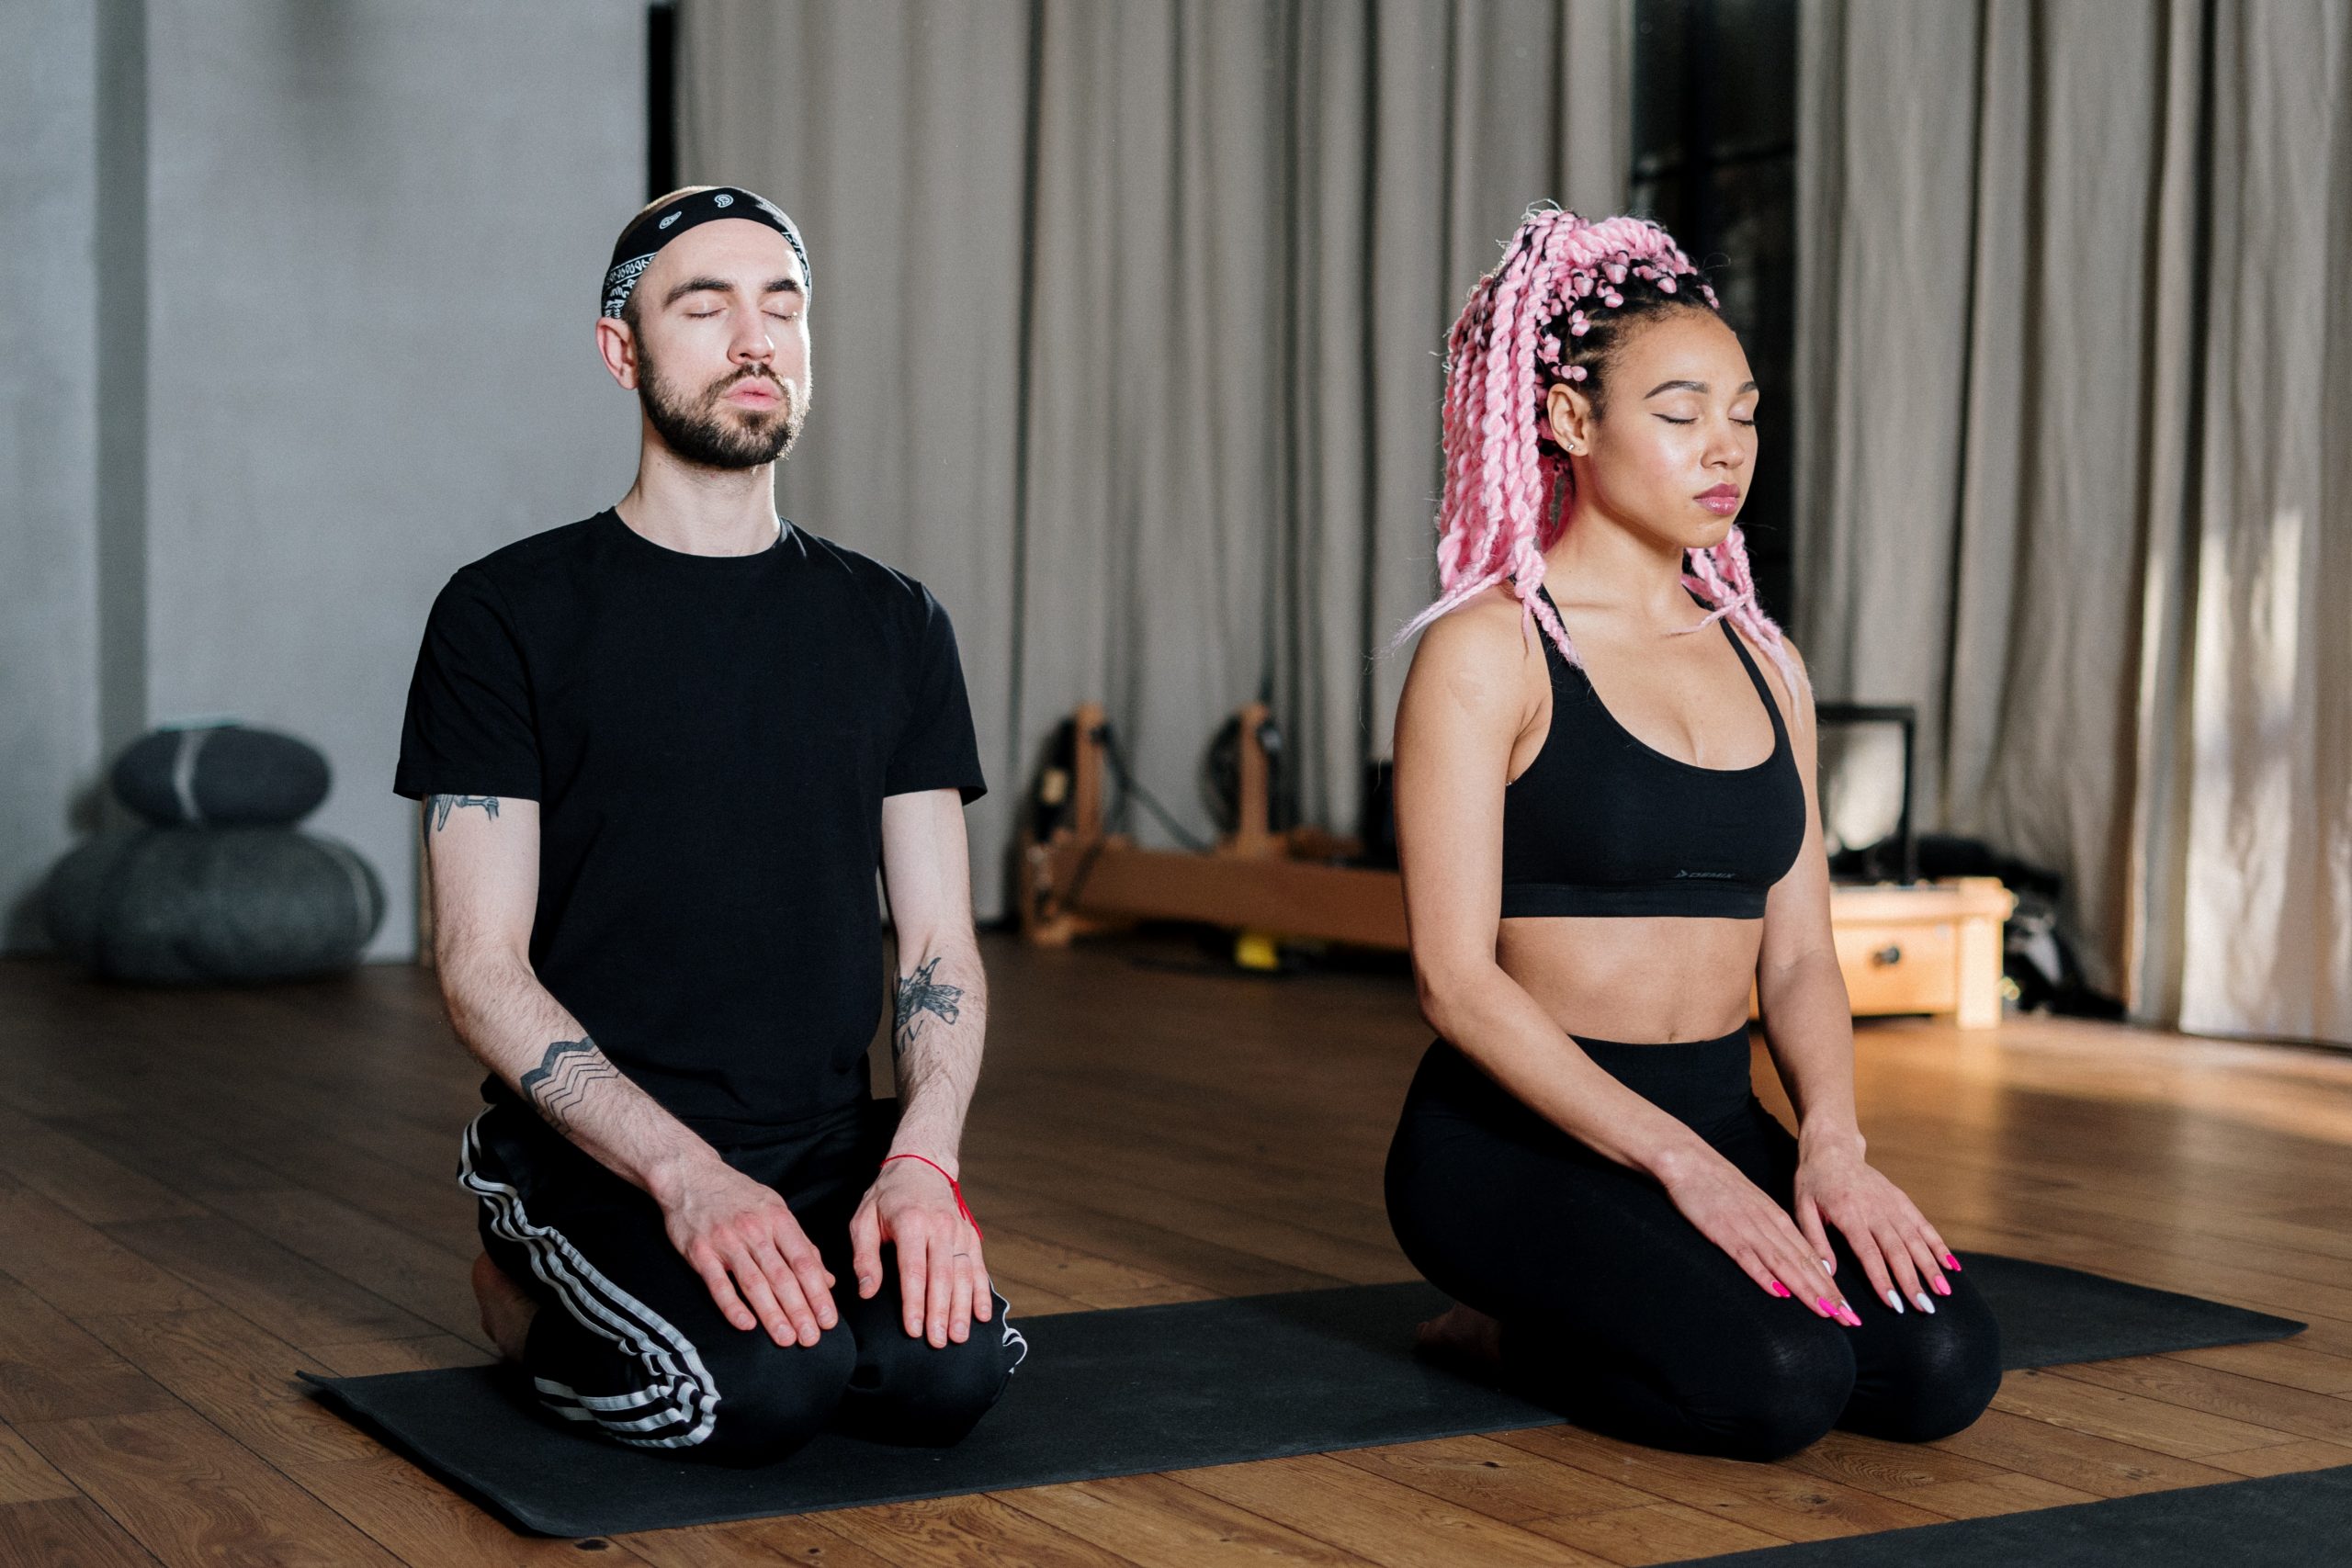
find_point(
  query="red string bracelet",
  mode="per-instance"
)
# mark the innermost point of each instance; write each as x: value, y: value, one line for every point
x: 952, y: 1186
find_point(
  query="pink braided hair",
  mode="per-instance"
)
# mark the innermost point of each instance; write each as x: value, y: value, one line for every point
x: 1507, y: 485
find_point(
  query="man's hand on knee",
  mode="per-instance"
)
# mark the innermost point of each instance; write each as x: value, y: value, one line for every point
x: 762, y: 1268
x: 942, y: 1277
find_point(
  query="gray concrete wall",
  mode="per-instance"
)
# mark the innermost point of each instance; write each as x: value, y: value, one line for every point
x: 49, y: 719
x: 373, y: 233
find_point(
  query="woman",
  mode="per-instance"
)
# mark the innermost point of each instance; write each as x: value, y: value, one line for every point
x: 1604, y: 765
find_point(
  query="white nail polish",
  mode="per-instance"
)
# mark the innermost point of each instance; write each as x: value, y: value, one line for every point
x: 1894, y: 1301
x: 1925, y: 1304
x: 1827, y: 1266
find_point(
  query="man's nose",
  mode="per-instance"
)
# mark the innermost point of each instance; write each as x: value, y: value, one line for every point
x: 753, y: 345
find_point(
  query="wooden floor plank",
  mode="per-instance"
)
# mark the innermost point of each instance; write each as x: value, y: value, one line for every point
x: 171, y: 1151
x: 804, y: 1540
x: 68, y: 1532
x: 1184, y: 1255
x: 1234, y: 1187
x: 290, y: 1296
x: 53, y: 1369
x: 1775, y: 1500
x: 1030, y: 1299
x: 2106, y: 1410
x: 238, y: 1377
x: 190, y: 1494
x: 2229, y: 1395
x: 1899, y: 1471
x: 25, y: 1477
x: 2099, y: 1466
x: 419, y: 1277
x: 369, y: 1358
x: 1157, y: 1522
x: 1156, y: 1296
x: 81, y: 1270
x: 1494, y: 1478
x: 1653, y: 1532
x: 1065, y: 1271
x: 2283, y: 1459
x: 425, y: 1525
x: 966, y: 1532
x: 2285, y: 1362
x: 1397, y: 1527
x: 2004, y: 1493
x: 85, y: 1183
x: 1265, y: 1233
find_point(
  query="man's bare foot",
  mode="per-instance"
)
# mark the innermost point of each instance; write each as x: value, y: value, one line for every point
x: 506, y: 1308
x: 1463, y: 1338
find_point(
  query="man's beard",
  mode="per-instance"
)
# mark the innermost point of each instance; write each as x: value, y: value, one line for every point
x: 707, y: 432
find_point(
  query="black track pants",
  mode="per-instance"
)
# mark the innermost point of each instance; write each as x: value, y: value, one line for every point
x: 628, y: 1344
x: 1618, y: 1314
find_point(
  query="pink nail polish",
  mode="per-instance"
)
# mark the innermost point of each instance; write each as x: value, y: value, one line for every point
x: 1951, y: 1263
x: 1942, y: 1288
x: 1827, y: 1306
x: 1779, y: 1289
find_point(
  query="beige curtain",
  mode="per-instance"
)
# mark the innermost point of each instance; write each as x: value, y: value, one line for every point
x: 893, y: 131
x: 2069, y: 355
x: 1128, y: 318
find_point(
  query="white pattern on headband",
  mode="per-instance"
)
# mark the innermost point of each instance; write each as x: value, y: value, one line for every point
x: 623, y: 278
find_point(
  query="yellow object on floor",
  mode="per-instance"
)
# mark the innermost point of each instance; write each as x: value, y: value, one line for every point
x: 1256, y: 950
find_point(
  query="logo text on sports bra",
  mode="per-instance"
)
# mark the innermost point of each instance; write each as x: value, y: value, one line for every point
x: 1710, y: 875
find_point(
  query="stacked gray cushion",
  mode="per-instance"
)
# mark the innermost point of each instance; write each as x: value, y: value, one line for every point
x: 223, y: 775
x: 181, y: 905
x: 223, y: 888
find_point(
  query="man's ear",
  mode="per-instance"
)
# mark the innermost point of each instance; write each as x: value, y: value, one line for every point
x: 616, y: 344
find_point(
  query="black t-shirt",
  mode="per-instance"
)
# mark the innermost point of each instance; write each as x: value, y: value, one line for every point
x: 709, y: 739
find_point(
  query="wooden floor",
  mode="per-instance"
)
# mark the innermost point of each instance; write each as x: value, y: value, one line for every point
x: 201, y: 1193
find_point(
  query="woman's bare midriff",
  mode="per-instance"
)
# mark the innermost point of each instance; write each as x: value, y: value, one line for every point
x: 1642, y: 980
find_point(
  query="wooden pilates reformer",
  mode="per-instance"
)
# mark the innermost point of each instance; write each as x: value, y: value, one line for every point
x: 1081, y: 877
x: 1920, y: 948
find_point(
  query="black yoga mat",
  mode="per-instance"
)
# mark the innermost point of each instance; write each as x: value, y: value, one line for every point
x: 1143, y: 1389
x: 2279, y: 1521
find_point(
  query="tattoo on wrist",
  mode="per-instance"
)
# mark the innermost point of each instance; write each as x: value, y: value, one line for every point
x: 443, y: 805
x: 918, y: 994
x: 563, y: 1079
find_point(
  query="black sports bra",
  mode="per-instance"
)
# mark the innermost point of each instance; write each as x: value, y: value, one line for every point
x: 1600, y: 824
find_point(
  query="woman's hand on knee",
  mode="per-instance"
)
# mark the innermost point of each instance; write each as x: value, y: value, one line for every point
x: 1735, y: 1214
x: 1900, y: 1252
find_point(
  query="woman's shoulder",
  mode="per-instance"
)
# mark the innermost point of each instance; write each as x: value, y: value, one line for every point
x: 1486, y: 626
x: 1481, y: 653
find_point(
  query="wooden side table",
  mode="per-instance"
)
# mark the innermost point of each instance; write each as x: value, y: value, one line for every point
x: 1932, y: 948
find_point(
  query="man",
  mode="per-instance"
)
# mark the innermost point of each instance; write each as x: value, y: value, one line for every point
x: 661, y: 753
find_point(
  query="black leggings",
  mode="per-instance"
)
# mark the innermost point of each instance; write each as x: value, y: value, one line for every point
x: 629, y: 1344
x: 1618, y: 1314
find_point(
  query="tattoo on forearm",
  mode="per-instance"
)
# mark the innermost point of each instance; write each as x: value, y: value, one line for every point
x: 918, y: 994
x: 445, y: 804
x: 564, y: 1078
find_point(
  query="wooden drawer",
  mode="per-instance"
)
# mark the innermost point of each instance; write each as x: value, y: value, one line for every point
x: 1900, y: 967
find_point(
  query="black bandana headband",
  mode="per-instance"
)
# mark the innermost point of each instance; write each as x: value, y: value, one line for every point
x: 643, y: 240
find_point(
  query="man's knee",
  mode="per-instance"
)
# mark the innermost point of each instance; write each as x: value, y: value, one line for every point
x: 772, y: 1399
x: 905, y: 1391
